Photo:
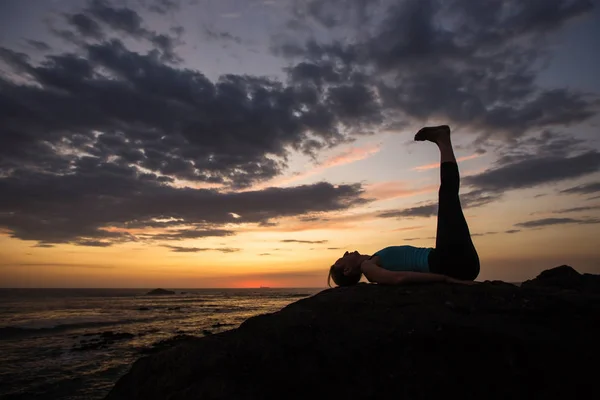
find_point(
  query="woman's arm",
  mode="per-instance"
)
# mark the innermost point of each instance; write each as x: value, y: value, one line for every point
x: 375, y: 273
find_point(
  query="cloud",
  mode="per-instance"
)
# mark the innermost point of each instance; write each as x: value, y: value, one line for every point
x: 587, y: 188
x: 475, y: 198
x: 213, y: 34
x: 85, y: 206
x: 181, y: 234
x: 556, y: 221
x: 38, y: 45
x: 576, y: 209
x: 178, y: 249
x: 44, y: 245
x: 427, y: 210
x: 231, y: 15
x: 164, y: 6
x: 85, y: 25
x: 101, y: 140
x: 468, y: 64
x: 118, y: 21
x: 412, y: 239
x: 532, y: 172
x: 121, y: 19
x: 93, y: 243
x: 407, y: 228
x: 172, y: 121
x: 483, y: 234
x: 304, y: 241
x: 437, y: 164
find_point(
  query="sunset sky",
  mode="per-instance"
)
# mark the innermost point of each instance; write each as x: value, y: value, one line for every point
x: 245, y: 143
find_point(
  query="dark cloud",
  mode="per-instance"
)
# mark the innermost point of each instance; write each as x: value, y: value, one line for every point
x: 163, y: 6
x: 43, y: 245
x: 576, y: 209
x: 96, y: 202
x: 556, y: 221
x: 427, y: 210
x: 264, y: 254
x: 39, y: 45
x: 587, y: 188
x: 181, y: 234
x: 531, y: 172
x: 304, y: 241
x: 484, y: 233
x: 118, y: 21
x: 85, y: 25
x: 475, y: 198
x: 512, y: 231
x: 334, y: 248
x: 94, y: 140
x: 121, y: 19
x: 530, y: 161
x: 467, y: 63
x: 236, y: 131
x: 212, y: 34
x: 93, y: 243
x: 178, y: 249
x: 412, y: 239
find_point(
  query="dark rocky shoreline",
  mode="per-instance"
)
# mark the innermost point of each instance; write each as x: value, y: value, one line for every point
x: 490, y: 340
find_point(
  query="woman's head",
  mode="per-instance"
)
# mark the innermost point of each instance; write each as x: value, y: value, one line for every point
x: 346, y: 270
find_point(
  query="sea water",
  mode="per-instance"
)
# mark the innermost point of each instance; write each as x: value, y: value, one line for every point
x: 76, y: 343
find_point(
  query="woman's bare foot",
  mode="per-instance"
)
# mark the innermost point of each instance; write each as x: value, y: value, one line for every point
x: 435, y: 134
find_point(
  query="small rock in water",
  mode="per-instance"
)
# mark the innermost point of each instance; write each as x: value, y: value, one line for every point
x: 160, y: 292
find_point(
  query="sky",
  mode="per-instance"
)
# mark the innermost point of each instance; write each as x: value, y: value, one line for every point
x: 246, y: 143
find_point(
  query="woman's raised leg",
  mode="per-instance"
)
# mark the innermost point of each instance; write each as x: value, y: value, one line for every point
x: 454, y: 253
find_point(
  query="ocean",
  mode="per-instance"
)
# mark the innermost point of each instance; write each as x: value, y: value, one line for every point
x: 76, y: 343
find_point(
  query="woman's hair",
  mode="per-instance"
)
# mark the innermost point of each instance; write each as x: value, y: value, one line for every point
x: 340, y: 279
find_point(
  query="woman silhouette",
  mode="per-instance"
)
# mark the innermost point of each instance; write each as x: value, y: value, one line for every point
x: 454, y: 258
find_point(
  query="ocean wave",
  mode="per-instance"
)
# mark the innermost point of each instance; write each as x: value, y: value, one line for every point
x: 59, y: 325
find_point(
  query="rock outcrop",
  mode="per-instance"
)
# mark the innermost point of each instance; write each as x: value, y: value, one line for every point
x: 159, y: 292
x: 493, y: 340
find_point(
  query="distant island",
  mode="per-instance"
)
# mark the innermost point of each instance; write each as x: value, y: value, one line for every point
x: 159, y: 292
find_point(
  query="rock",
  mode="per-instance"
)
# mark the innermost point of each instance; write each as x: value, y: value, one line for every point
x: 486, y: 341
x: 168, y: 343
x: 219, y: 325
x: 159, y: 292
x: 565, y: 277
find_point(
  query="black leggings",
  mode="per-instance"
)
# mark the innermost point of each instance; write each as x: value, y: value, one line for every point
x: 454, y: 254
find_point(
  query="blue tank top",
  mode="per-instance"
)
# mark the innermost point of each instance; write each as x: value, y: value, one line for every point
x: 404, y: 258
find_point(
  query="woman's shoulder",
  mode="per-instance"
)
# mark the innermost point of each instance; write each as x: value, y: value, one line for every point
x: 375, y: 259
